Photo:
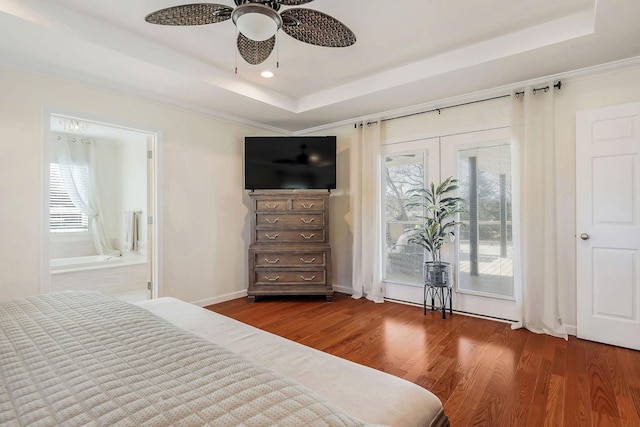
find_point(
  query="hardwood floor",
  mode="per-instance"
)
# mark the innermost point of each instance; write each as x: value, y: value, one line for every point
x: 484, y: 373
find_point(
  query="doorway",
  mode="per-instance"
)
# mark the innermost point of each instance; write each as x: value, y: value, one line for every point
x: 99, y: 207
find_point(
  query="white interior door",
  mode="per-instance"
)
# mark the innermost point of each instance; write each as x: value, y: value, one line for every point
x: 608, y: 225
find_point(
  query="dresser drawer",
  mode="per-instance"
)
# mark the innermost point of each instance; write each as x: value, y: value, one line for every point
x: 289, y: 259
x: 272, y: 205
x: 289, y: 277
x: 275, y: 220
x: 290, y: 236
x: 307, y: 204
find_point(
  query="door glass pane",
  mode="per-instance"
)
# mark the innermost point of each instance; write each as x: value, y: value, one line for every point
x: 402, y: 173
x: 485, y: 239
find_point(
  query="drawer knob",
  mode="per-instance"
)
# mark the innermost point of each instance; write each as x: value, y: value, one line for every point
x: 275, y: 261
x: 306, y: 206
x: 275, y: 205
x: 307, y: 279
x: 307, y: 237
x: 274, y: 237
x: 270, y: 279
x: 271, y: 221
x: 307, y: 221
x: 309, y: 261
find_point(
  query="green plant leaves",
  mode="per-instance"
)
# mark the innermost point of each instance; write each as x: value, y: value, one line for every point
x: 440, y: 215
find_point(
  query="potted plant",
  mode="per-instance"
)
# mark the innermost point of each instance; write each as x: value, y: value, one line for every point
x: 439, y: 226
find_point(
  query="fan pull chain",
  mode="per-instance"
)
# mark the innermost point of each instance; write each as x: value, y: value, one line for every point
x: 277, y: 52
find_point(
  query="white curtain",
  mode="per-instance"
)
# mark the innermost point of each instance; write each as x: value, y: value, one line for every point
x: 77, y: 163
x: 538, y: 285
x: 365, y: 200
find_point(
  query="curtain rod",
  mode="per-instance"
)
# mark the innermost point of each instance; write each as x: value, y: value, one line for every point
x: 433, y: 110
x: 557, y: 85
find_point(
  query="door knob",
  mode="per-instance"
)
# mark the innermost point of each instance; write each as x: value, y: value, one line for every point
x: 584, y: 236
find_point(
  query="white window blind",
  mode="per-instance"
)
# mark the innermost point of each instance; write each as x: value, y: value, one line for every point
x: 64, y: 215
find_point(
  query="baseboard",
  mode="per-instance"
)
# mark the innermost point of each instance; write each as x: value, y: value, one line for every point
x: 221, y: 298
x: 241, y: 294
x: 343, y: 289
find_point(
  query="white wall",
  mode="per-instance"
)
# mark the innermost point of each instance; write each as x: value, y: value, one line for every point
x: 204, y: 211
x: 576, y: 95
x: 205, y: 230
x: 133, y: 185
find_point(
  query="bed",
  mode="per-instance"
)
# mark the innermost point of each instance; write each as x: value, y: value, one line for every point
x: 86, y: 359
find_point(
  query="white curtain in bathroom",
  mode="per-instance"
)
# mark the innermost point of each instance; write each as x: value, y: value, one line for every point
x: 76, y: 157
x: 365, y: 199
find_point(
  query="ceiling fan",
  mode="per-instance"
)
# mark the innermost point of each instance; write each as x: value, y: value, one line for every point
x: 258, y: 21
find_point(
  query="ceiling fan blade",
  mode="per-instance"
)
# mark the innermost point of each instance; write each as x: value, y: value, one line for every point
x: 190, y: 14
x: 313, y: 27
x: 255, y: 52
x: 293, y: 2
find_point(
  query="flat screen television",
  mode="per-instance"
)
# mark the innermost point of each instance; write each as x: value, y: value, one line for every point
x: 289, y: 162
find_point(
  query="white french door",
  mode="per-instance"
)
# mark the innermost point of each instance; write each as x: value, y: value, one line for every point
x: 405, y: 166
x: 483, y: 251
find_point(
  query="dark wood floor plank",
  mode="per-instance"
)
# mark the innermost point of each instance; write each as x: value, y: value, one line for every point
x: 577, y: 394
x: 603, y: 398
x: 484, y: 373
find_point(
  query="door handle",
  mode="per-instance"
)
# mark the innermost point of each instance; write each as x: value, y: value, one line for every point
x: 584, y: 236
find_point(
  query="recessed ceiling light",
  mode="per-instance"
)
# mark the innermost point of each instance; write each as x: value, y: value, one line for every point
x: 266, y: 74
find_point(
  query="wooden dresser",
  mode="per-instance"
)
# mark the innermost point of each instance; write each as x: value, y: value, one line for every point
x: 289, y: 252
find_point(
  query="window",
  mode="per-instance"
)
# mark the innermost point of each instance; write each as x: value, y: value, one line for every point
x: 402, y: 173
x: 64, y: 216
x: 486, y: 239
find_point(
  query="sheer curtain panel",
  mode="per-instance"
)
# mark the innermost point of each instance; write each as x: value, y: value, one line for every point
x: 538, y: 285
x: 365, y: 199
x: 76, y: 157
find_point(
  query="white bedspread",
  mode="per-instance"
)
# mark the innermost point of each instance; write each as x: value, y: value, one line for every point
x: 363, y: 392
x: 84, y: 359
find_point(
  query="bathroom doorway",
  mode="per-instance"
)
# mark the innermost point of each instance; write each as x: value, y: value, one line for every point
x: 99, y: 210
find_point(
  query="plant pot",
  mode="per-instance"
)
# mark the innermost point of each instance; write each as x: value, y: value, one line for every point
x: 437, y: 274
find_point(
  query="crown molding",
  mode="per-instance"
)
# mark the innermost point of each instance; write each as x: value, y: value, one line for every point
x: 574, y: 75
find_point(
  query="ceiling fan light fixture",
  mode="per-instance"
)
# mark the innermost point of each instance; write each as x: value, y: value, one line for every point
x: 256, y: 21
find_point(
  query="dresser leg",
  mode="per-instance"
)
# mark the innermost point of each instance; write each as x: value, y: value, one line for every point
x: 329, y: 298
x: 252, y: 298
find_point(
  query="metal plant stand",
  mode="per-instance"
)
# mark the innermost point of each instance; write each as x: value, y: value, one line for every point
x: 438, y: 286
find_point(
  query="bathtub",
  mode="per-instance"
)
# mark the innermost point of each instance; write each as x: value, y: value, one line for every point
x: 84, y: 263
x: 102, y: 273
